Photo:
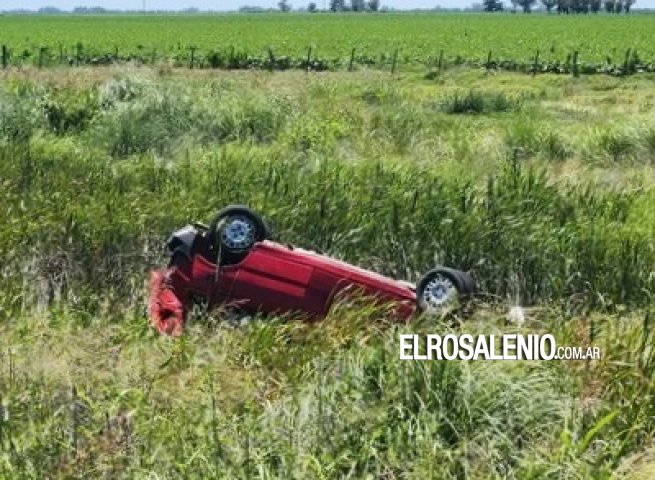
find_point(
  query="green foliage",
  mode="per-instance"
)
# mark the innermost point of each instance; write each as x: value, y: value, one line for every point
x: 93, y: 179
x: 479, y: 102
x: 617, y: 143
x: 141, y: 118
x: 520, y: 234
x: 70, y: 113
x: 277, y: 399
x: 19, y: 115
x: 554, y: 146
x: 649, y: 140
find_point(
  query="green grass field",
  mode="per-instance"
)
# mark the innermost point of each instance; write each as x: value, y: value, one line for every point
x: 542, y: 186
x: 419, y: 38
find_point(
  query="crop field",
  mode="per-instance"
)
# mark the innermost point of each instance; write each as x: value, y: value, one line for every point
x: 542, y: 186
x: 283, y: 41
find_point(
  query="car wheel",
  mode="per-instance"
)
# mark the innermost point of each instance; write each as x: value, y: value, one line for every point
x: 234, y: 231
x: 442, y: 289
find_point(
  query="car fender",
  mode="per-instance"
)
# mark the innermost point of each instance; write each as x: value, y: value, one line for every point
x: 182, y: 240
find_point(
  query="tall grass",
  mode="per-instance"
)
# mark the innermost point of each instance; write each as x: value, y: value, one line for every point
x: 517, y: 233
x: 331, y: 400
x: 94, y: 179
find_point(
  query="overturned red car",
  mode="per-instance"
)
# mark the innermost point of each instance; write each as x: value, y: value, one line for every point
x: 234, y: 262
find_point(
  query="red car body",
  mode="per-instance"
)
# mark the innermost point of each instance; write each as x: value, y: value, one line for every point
x: 271, y: 278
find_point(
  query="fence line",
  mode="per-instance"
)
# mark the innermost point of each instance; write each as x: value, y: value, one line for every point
x: 233, y: 60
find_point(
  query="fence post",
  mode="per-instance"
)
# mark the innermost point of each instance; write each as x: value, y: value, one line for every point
x: 231, y: 60
x: 5, y: 56
x: 61, y: 54
x: 440, y: 65
x: 488, y: 60
x: 352, y: 60
x: 576, y: 73
x: 78, y: 55
x: 271, y: 59
x: 309, y: 58
x: 40, y: 64
x: 393, y: 64
x: 536, y: 64
x: 193, y: 56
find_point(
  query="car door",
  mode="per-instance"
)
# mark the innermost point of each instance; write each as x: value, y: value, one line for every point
x: 271, y: 283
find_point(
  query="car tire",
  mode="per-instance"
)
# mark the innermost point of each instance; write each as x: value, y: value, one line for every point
x: 468, y: 283
x: 234, y: 231
x: 442, y: 290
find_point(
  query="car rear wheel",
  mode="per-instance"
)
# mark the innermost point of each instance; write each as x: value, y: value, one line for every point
x: 441, y: 290
x: 234, y: 231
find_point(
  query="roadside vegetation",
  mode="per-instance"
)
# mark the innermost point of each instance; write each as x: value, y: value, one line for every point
x: 543, y: 187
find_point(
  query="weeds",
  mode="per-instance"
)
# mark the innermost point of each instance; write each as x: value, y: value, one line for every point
x: 617, y: 144
x: 649, y: 140
x: 479, y: 102
x: 335, y: 391
x: 93, y: 183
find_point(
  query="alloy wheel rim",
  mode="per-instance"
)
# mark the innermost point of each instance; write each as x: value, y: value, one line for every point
x: 238, y: 233
x: 438, y: 293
